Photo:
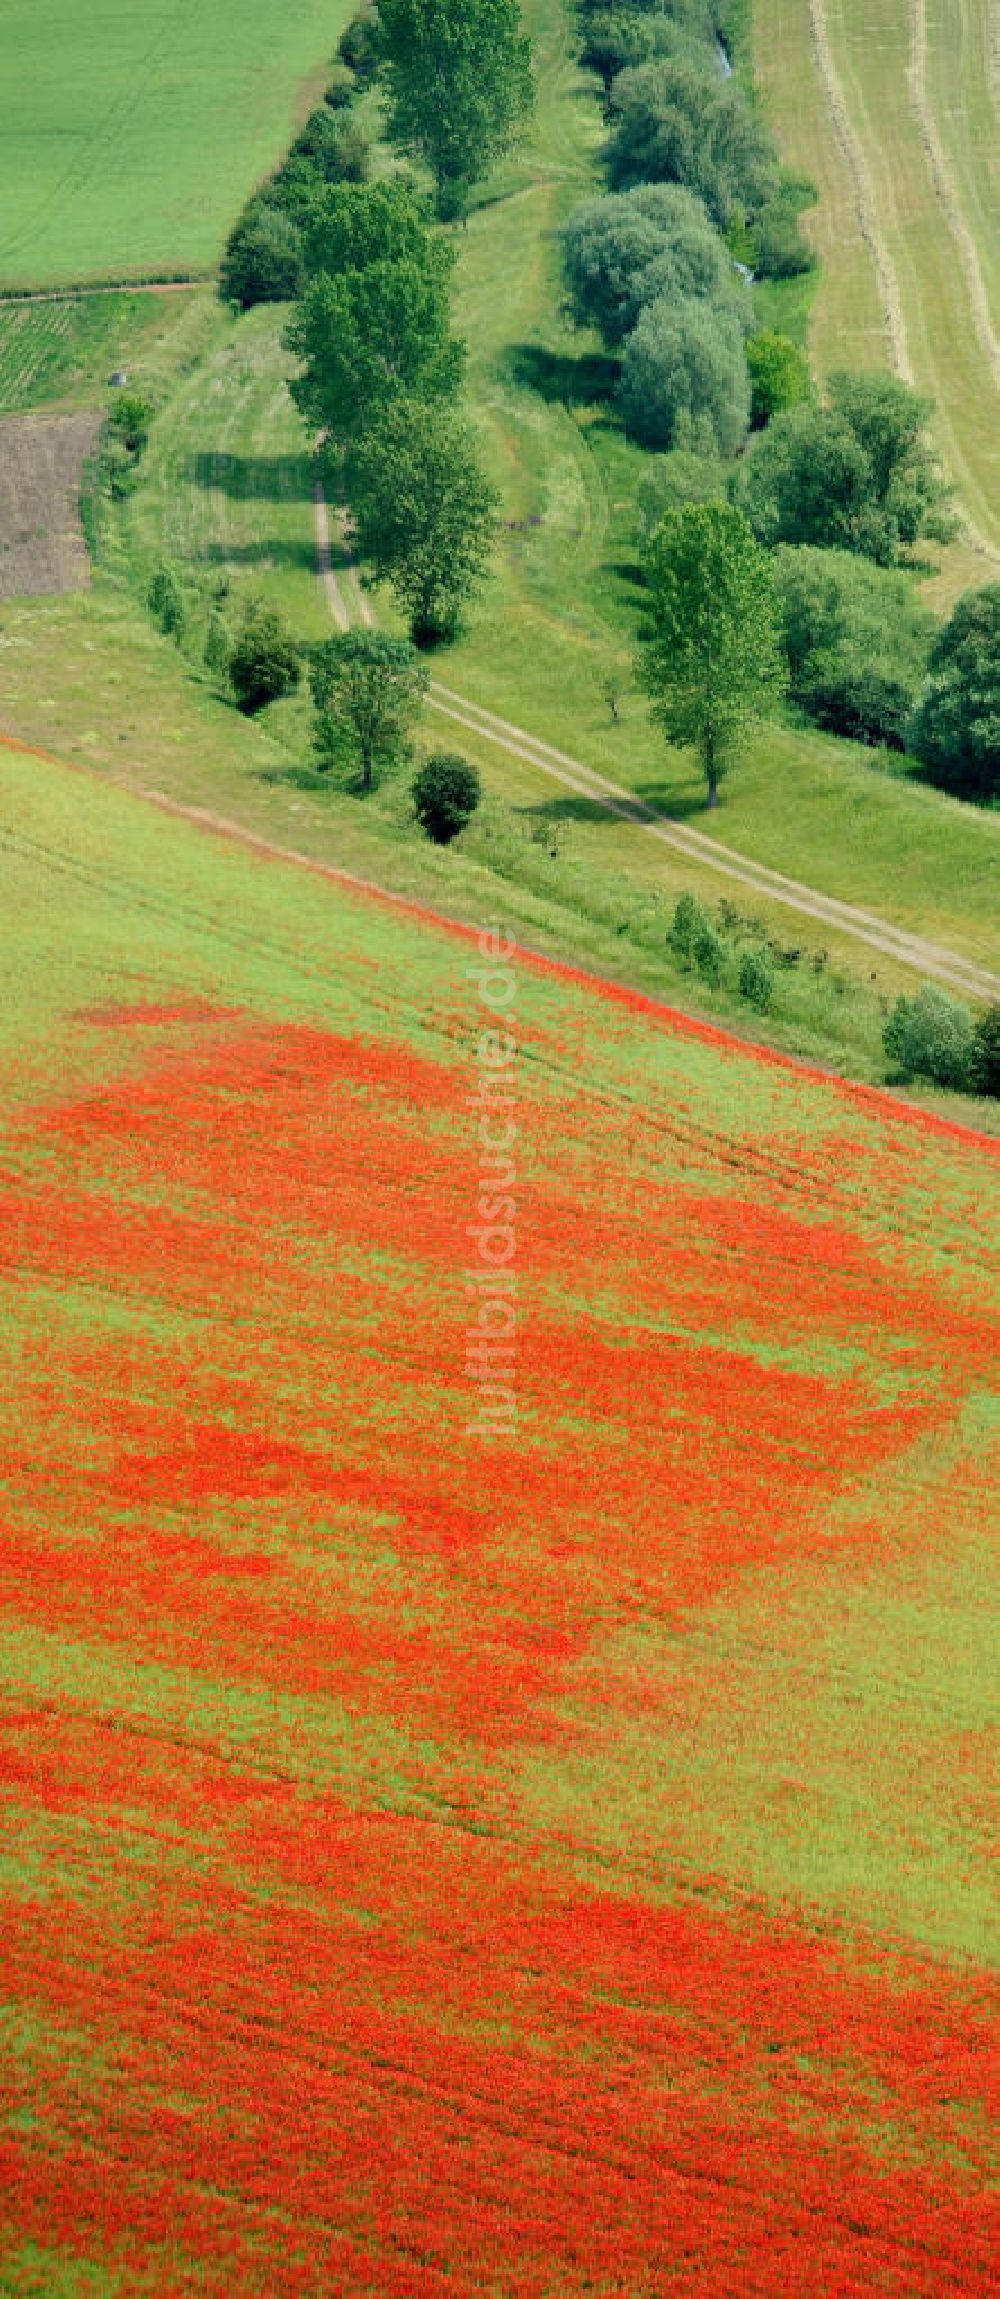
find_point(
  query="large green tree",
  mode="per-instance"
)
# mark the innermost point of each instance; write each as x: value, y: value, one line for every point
x: 367, y: 688
x: 424, y: 514
x: 712, y: 660
x: 458, y: 78
x: 956, y: 731
x: 373, y: 320
x: 685, y: 360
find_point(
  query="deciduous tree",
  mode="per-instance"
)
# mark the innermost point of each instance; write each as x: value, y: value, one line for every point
x: 712, y: 660
x: 458, y: 75
x: 424, y: 514
x: 367, y: 689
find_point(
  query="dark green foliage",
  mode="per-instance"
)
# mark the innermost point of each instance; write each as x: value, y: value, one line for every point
x: 339, y: 90
x: 857, y: 639
x: 367, y: 689
x: 623, y: 251
x: 956, y: 730
x: 424, y: 515
x: 347, y: 228
x: 374, y: 319
x: 264, y: 662
x: 712, y: 660
x: 446, y: 793
x: 779, y: 376
x: 755, y: 979
x: 165, y: 600
x: 931, y: 1036
x: 332, y: 148
x: 358, y: 46
x: 677, y: 122
x: 986, y: 1053
x: 856, y: 475
x: 614, y: 39
x: 685, y: 357
x: 130, y: 420
x: 458, y: 76
x: 263, y: 258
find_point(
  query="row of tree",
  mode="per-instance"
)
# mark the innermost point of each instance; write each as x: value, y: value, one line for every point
x: 840, y: 494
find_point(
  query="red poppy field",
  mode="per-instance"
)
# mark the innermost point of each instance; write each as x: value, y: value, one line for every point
x: 544, y: 1860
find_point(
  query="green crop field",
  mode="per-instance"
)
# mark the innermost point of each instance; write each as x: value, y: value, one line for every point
x: 59, y: 351
x: 130, y: 139
x: 894, y: 109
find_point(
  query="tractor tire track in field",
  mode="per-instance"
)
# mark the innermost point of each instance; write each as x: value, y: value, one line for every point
x: 865, y: 196
x: 930, y: 958
x: 947, y: 193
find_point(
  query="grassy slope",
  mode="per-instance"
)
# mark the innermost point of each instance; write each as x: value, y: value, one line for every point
x: 630, y: 1775
x: 871, y: 51
x: 134, y: 156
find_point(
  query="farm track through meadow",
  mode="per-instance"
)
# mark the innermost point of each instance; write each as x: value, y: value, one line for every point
x: 931, y: 958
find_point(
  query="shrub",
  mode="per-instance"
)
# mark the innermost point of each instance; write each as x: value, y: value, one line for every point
x: 165, y: 601
x: 779, y: 250
x: 623, y: 251
x: 263, y: 258
x: 339, y: 90
x: 446, y: 793
x: 130, y: 421
x: 986, y: 1056
x: 358, y: 46
x: 856, y: 637
x: 779, y: 376
x: 932, y: 1036
x: 755, y: 980
x: 217, y: 646
x: 690, y: 922
x: 956, y: 731
x: 264, y: 663
x: 709, y: 953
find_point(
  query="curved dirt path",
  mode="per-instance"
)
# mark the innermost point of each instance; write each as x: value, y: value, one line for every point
x: 930, y: 958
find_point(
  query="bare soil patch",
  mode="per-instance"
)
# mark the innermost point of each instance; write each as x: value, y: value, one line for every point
x: 42, y: 545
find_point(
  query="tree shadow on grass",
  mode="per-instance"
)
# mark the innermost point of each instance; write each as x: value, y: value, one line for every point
x: 269, y: 551
x: 252, y: 478
x: 559, y: 378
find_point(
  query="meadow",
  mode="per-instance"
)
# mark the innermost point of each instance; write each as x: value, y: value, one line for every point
x: 892, y: 108
x: 528, y: 1864
x: 133, y: 158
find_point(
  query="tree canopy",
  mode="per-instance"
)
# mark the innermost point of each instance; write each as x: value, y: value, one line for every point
x: 458, y: 77
x: 856, y: 475
x: 676, y: 122
x: 367, y: 689
x: 712, y: 659
x: 622, y: 251
x: 857, y: 639
x: 424, y: 514
x: 374, y: 318
x: 685, y: 358
x: 956, y: 730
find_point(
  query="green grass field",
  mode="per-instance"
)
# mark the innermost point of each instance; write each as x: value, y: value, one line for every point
x: 893, y: 110
x: 131, y: 139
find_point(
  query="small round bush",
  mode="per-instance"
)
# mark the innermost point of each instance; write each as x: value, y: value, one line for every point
x: 932, y: 1036
x: 264, y: 663
x: 756, y: 979
x: 446, y: 793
